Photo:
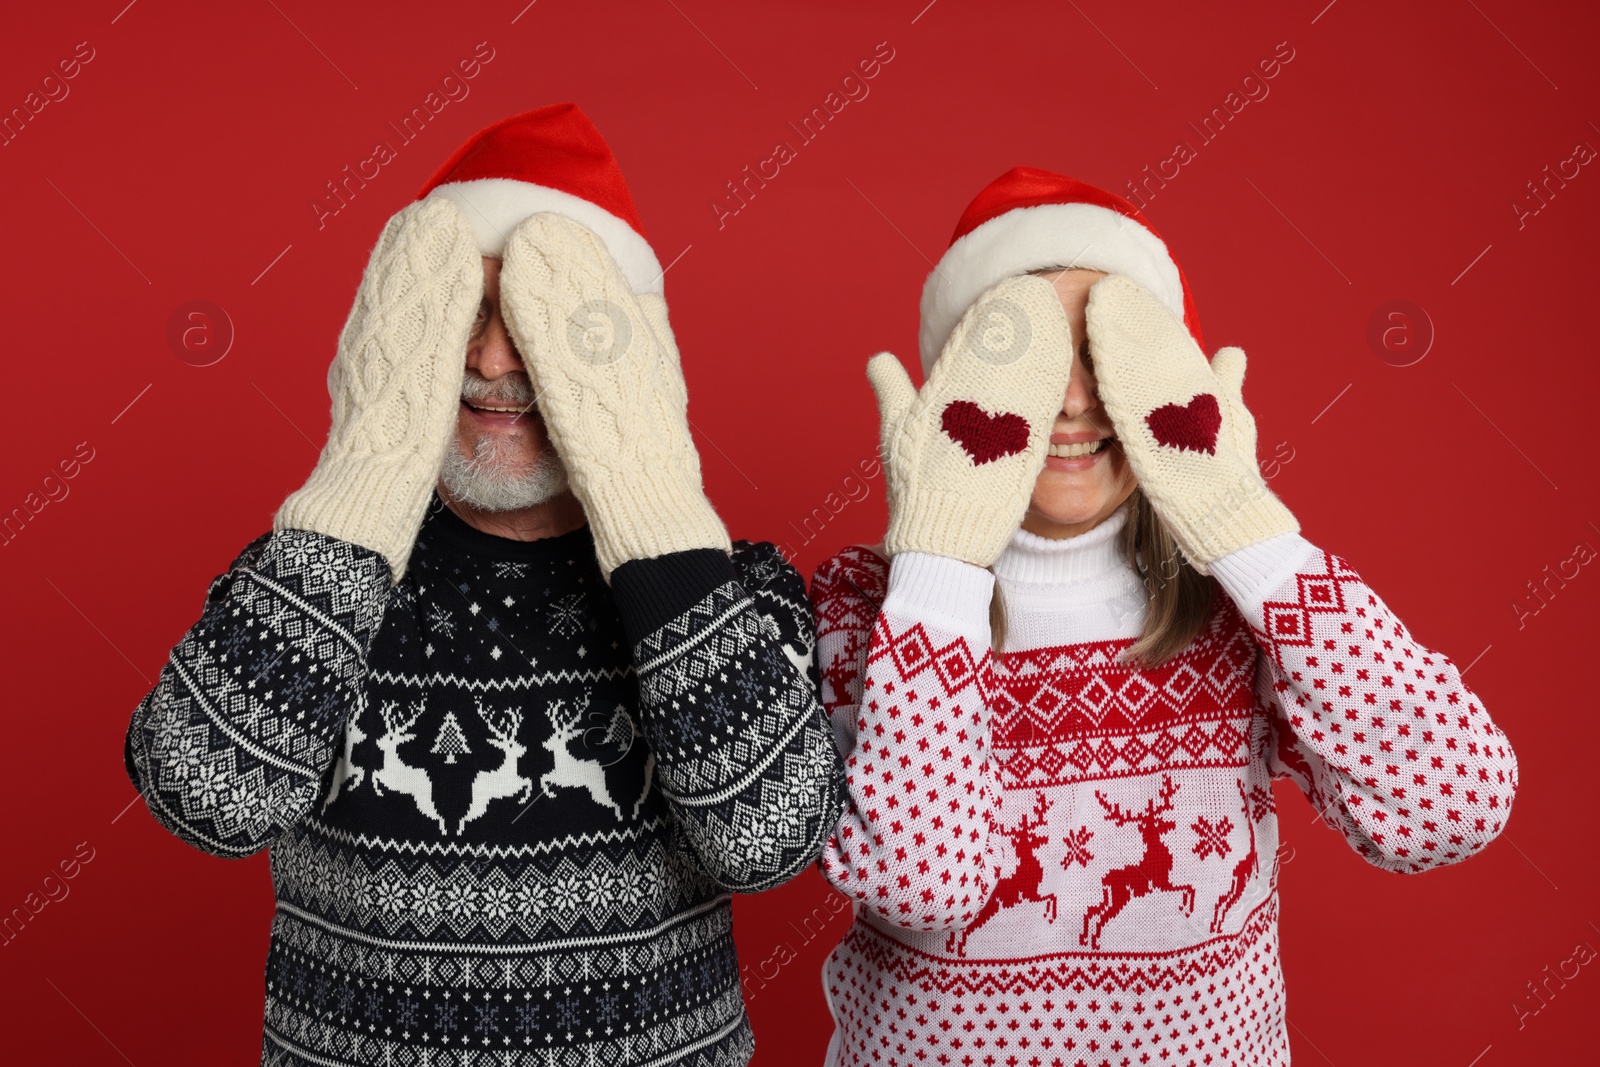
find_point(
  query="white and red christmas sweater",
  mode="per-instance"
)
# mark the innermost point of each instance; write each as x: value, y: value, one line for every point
x: 1061, y: 860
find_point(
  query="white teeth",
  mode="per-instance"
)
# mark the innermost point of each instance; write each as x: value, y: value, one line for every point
x: 485, y: 407
x: 1073, y: 451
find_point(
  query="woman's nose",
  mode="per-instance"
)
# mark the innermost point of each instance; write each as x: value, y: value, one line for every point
x: 1082, y: 394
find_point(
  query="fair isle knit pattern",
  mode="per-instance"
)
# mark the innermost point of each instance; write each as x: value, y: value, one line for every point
x: 506, y: 804
x: 1062, y: 860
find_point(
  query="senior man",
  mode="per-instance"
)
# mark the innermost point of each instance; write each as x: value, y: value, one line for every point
x: 511, y: 713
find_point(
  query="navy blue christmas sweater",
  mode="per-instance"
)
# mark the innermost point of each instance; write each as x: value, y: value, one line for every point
x: 505, y: 803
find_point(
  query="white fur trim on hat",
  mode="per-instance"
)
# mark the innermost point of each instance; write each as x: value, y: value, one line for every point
x: 1045, y: 235
x: 494, y: 206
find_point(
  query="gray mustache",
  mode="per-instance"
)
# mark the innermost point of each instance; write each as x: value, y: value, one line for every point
x: 517, y: 391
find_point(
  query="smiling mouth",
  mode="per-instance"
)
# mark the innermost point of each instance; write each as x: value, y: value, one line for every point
x: 1079, y: 449
x: 497, y: 408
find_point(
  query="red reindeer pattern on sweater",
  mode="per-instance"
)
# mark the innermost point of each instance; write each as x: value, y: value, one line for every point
x: 1060, y: 859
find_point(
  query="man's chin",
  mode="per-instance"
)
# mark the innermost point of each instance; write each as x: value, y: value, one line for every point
x: 504, y: 487
x: 511, y: 435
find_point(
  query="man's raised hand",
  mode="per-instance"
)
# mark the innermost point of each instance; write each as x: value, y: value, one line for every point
x: 395, y: 383
x: 605, y: 370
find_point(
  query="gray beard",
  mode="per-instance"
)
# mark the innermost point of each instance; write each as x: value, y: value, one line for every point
x: 488, y: 482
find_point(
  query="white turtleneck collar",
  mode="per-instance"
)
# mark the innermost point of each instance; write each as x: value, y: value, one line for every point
x: 1070, y: 590
x: 1095, y: 554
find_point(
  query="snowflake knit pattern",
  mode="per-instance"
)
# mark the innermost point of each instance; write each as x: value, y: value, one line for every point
x: 506, y: 804
x: 1059, y: 859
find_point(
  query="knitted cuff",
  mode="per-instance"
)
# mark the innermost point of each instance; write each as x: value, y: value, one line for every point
x: 943, y: 591
x: 652, y: 592
x: 944, y: 523
x: 1250, y: 575
x: 377, y: 504
x: 1231, y: 521
x: 645, y: 518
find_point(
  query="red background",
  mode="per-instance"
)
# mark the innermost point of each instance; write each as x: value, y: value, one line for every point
x: 1382, y: 166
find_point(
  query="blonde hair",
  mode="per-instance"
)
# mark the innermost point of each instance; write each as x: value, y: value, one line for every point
x: 1178, y: 598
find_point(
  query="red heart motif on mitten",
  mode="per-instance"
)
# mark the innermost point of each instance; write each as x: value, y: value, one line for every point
x: 983, y: 436
x: 1193, y: 425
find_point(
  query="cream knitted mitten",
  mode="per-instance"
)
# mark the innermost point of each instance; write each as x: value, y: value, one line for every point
x: 605, y: 369
x: 962, y: 456
x: 1183, y: 425
x: 396, y: 385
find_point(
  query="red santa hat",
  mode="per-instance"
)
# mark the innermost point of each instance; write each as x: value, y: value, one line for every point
x: 548, y: 159
x: 1027, y: 219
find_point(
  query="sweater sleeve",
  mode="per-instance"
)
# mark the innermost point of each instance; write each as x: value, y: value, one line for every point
x: 230, y: 746
x: 909, y: 688
x: 728, y: 704
x: 1379, y: 731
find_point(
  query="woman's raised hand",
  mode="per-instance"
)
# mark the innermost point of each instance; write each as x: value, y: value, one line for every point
x: 962, y: 455
x: 1182, y: 424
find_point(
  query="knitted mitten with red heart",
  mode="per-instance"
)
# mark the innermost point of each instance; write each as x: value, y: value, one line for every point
x: 1182, y: 424
x: 961, y: 456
